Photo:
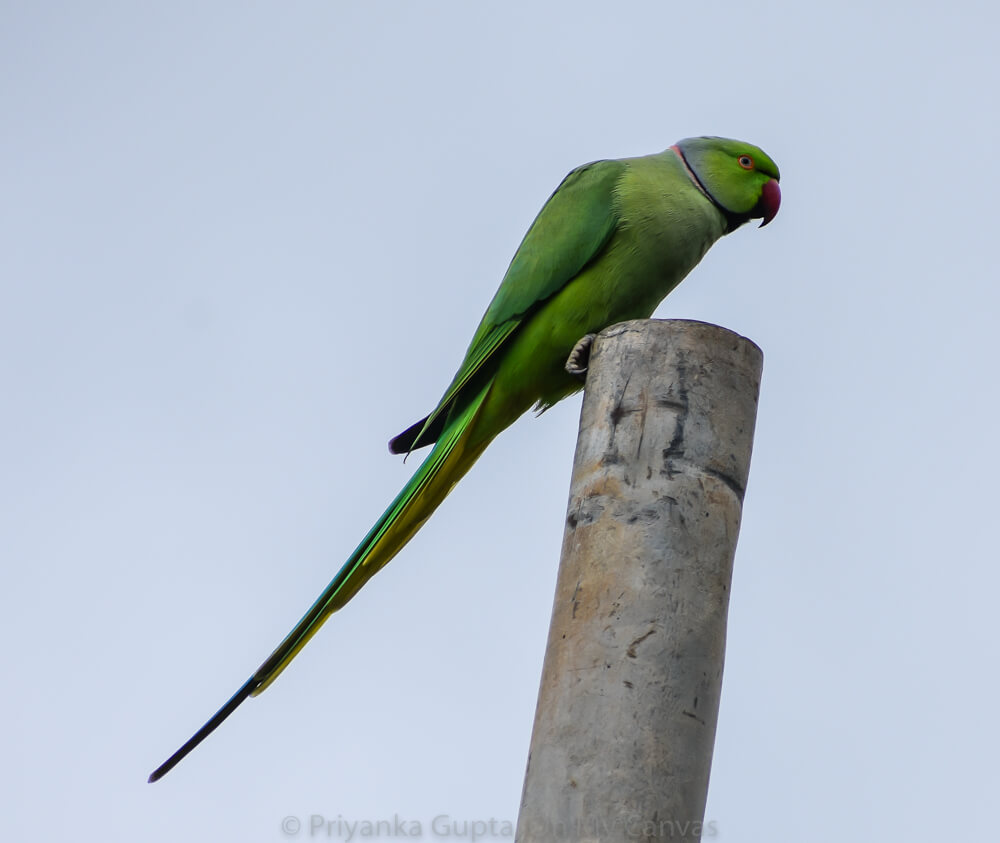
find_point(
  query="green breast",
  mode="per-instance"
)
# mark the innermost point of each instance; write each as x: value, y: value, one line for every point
x: 667, y: 226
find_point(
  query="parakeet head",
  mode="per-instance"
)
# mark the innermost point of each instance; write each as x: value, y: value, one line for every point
x: 738, y: 177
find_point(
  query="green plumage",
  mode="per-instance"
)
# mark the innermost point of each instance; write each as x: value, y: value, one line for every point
x: 610, y: 243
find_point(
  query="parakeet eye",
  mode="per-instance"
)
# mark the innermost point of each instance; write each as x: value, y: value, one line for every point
x: 746, y: 162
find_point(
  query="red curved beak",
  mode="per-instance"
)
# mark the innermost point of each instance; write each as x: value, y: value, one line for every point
x: 769, y: 202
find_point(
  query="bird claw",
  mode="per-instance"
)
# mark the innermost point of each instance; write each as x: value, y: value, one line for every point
x: 579, y: 358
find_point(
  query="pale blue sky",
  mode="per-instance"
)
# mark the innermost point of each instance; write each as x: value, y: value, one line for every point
x: 243, y: 244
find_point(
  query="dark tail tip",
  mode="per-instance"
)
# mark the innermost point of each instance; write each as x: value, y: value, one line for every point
x: 248, y: 688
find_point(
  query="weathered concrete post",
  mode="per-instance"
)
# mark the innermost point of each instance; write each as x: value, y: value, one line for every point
x: 622, y: 743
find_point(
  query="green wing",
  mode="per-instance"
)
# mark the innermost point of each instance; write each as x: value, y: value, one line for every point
x: 569, y: 232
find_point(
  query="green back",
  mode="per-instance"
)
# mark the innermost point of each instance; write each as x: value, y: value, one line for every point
x: 569, y: 232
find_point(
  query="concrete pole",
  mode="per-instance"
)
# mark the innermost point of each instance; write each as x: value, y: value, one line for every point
x: 625, y: 725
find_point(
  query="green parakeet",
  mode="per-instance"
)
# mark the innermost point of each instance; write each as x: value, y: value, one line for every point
x: 610, y: 243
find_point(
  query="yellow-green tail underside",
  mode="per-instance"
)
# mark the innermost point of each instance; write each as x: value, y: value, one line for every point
x: 451, y: 458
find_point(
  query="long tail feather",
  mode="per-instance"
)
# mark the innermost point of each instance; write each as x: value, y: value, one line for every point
x: 445, y: 465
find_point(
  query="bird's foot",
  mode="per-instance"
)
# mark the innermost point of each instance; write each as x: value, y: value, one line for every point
x: 579, y: 358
